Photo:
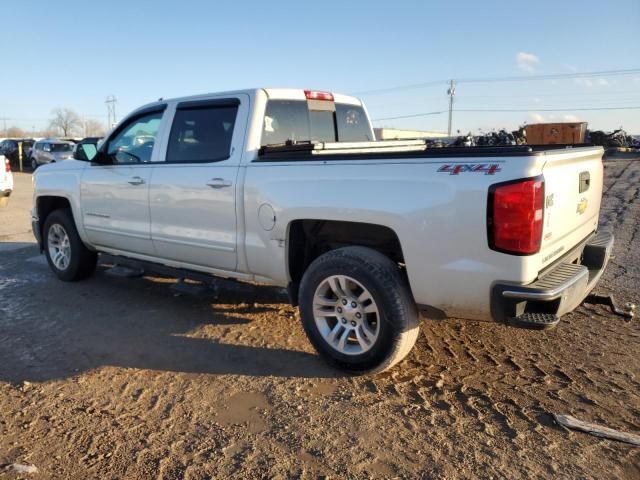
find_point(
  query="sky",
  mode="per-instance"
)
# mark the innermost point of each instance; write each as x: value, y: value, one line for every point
x: 73, y: 54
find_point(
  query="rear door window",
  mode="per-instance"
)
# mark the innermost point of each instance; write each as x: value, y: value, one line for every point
x: 202, y: 133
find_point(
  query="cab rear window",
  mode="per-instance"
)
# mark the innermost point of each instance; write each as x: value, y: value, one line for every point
x: 292, y: 121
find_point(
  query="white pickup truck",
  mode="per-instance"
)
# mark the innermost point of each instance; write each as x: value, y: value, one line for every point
x: 288, y: 187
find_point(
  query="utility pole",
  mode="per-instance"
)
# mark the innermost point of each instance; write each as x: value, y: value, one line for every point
x: 111, y: 111
x: 451, y: 92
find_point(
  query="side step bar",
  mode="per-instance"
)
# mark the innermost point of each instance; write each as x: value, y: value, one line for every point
x: 534, y: 321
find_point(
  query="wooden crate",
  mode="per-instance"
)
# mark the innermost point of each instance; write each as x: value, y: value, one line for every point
x: 556, y: 133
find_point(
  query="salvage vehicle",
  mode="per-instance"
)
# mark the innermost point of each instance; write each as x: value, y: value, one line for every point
x: 6, y: 181
x: 10, y: 148
x: 288, y: 187
x: 50, y: 150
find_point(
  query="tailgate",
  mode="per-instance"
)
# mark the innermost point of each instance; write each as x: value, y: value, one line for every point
x: 573, y: 190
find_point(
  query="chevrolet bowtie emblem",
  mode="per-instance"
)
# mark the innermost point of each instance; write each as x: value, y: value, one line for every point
x: 582, y: 206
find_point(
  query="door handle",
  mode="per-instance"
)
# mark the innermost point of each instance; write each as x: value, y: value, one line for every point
x: 218, y: 183
x: 136, y: 181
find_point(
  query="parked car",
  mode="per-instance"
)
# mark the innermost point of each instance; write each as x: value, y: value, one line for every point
x: 11, y: 150
x: 50, y: 151
x: 6, y: 181
x: 285, y: 187
x: 92, y: 140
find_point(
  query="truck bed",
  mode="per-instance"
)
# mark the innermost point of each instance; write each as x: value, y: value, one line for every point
x: 394, y: 149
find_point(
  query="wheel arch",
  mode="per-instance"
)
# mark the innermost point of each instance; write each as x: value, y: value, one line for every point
x: 307, y: 239
x: 46, y: 204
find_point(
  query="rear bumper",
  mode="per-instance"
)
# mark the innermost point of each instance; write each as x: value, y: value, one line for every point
x: 557, y: 291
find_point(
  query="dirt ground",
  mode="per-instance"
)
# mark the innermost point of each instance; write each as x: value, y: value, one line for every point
x: 124, y: 378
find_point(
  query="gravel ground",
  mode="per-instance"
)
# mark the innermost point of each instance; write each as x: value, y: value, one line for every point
x: 125, y: 378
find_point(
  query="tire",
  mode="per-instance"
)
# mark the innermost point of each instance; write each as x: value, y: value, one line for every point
x: 374, y: 287
x: 80, y: 262
x: 34, y: 164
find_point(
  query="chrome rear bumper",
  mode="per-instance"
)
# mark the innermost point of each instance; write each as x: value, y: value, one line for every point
x: 558, y: 291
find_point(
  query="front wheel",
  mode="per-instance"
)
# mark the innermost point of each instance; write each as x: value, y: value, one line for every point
x: 357, y: 310
x: 66, y: 254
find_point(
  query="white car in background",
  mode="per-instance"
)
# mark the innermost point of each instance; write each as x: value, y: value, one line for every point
x: 6, y: 181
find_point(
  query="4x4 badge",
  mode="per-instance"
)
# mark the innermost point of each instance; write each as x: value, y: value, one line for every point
x: 486, y: 168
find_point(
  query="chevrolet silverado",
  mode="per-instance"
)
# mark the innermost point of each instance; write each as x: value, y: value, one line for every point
x: 289, y: 187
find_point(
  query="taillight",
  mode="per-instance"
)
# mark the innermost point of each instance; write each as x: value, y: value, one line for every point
x: 515, y: 216
x: 314, y: 95
x: 7, y: 165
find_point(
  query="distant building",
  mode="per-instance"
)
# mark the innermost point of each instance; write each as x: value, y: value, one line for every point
x: 397, y: 134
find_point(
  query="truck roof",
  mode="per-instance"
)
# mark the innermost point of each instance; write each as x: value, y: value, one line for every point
x: 272, y: 93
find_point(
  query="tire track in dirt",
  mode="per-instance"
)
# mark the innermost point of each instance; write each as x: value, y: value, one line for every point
x: 472, y: 400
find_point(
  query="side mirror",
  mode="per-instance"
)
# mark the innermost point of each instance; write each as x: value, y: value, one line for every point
x: 85, y: 152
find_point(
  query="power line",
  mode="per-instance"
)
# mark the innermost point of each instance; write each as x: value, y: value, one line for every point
x: 556, y: 76
x: 27, y: 119
x: 409, y: 116
x: 549, y: 109
x: 403, y: 87
x: 504, y: 110
x: 516, y: 78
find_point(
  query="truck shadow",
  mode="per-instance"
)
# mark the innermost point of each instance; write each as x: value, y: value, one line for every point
x: 52, y: 330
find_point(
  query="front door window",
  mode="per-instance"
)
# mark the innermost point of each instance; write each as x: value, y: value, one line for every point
x: 134, y: 143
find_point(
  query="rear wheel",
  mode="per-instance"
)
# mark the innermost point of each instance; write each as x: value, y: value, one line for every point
x: 66, y: 254
x: 357, y: 310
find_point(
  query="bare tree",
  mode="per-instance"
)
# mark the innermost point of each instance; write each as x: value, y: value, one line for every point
x: 14, y: 132
x: 65, y: 121
x: 93, y: 128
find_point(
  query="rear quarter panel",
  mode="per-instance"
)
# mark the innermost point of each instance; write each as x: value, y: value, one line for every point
x: 439, y: 217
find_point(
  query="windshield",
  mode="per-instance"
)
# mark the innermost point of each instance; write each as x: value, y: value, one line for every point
x: 291, y: 120
x: 61, y: 147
